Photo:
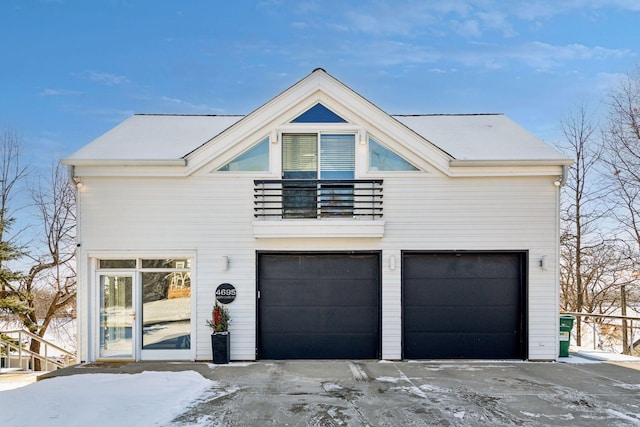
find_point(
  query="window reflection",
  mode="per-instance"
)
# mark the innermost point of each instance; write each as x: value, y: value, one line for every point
x: 165, y: 263
x: 166, y: 309
x: 117, y: 263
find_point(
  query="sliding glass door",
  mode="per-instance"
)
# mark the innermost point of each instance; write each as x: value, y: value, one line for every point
x: 145, y: 309
x: 307, y: 158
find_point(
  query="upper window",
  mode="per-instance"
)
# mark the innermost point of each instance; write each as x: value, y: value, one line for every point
x: 117, y: 263
x: 256, y: 159
x: 318, y: 114
x: 383, y: 159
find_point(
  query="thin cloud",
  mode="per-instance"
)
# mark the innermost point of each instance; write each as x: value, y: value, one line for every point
x: 112, y: 115
x: 392, y: 53
x: 468, y: 28
x: 107, y: 79
x: 534, y: 10
x: 481, y: 55
x: 59, y: 92
x: 468, y: 18
x: 546, y: 56
x: 200, y: 108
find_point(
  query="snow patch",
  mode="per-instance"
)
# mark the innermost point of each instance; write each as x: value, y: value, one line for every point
x: 7, y: 385
x: 433, y: 389
x: 393, y: 380
x: 460, y: 415
x: 634, y: 419
x: 145, y: 399
x: 565, y: 417
x: 331, y: 387
x: 629, y: 386
x: 231, y: 365
x: 464, y: 367
x: 416, y: 391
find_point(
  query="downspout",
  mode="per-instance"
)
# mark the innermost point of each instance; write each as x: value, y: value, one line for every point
x: 564, y: 176
x: 81, y: 309
x: 71, y: 170
x: 559, y: 184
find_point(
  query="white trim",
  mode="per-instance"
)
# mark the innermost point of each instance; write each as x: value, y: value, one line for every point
x: 317, y: 87
x: 124, y: 162
x: 507, y: 162
x: 135, y: 333
x: 94, y: 291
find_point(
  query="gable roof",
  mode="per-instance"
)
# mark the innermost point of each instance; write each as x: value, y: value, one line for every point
x: 480, y: 137
x: 153, y: 137
x: 172, y: 139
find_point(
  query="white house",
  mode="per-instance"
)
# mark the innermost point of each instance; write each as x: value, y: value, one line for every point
x: 344, y: 231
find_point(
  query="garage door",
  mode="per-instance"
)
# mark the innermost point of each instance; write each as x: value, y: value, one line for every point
x: 319, y: 306
x: 464, y: 305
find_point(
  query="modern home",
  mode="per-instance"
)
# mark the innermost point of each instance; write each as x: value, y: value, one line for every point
x: 327, y: 227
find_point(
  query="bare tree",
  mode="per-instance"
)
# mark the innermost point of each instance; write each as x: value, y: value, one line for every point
x: 49, y: 279
x: 586, y: 253
x: 52, y: 269
x: 623, y: 157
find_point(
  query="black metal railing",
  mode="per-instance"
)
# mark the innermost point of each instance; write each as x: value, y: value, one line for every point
x: 318, y: 198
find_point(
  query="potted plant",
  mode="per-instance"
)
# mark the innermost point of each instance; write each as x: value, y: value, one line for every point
x: 220, y: 337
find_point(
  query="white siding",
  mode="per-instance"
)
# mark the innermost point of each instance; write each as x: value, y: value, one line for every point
x: 211, y: 215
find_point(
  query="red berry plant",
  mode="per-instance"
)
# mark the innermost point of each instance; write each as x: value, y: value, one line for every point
x: 219, y: 319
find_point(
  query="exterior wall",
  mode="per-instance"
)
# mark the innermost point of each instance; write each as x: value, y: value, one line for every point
x: 211, y: 215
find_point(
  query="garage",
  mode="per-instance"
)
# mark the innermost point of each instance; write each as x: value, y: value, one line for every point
x: 319, y: 305
x: 464, y: 305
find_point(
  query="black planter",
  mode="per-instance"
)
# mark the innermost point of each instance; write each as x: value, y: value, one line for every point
x: 221, y: 345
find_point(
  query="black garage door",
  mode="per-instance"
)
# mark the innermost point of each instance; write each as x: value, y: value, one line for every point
x: 319, y: 306
x: 464, y: 305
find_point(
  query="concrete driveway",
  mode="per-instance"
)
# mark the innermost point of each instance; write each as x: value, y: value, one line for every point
x: 379, y: 393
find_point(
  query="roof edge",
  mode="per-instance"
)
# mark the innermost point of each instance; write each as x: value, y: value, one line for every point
x: 123, y: 162
x: 510, y: 162
x: 446, y: 114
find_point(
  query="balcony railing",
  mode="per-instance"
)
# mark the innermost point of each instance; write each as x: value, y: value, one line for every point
x: 318, y: 198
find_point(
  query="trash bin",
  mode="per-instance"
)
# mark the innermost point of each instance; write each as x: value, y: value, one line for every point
x: 566, y: 324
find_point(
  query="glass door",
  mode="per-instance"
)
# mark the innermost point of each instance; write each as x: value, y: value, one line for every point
x: 337, y: 164
x: 299, y: 172
x: 303, y: 196
x: 117, y: 316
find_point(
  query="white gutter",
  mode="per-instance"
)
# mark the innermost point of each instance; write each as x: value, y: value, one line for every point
x: 507, y: 162
x: 124, y: 162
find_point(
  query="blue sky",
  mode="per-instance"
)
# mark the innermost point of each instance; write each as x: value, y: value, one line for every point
x: 72, y: 69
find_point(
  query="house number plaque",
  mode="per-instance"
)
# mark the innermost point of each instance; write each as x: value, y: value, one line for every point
x: 225, y: 293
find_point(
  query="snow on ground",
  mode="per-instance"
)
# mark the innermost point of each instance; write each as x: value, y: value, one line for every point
x: 154, y: 398
x: 104, y: 400
x: 600, y: 355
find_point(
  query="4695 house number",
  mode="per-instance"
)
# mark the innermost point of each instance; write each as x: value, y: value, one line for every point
x: 225, y: 293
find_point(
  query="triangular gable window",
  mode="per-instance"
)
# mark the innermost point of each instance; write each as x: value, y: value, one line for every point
x: 383, y: 159
x: 256, y: 159
x: 318, y: 114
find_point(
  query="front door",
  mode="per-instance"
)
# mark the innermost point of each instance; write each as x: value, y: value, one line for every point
x: 117, y: 316
x: 145, y: 309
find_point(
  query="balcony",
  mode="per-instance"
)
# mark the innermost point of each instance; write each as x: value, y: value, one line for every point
x: 318, y: 198
x: 318, y: 208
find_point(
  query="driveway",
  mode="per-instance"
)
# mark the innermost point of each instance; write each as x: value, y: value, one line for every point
x: 381, y: 393
x: 372, y: 393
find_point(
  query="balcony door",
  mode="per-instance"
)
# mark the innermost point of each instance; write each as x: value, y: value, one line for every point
x: 306, y: 197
